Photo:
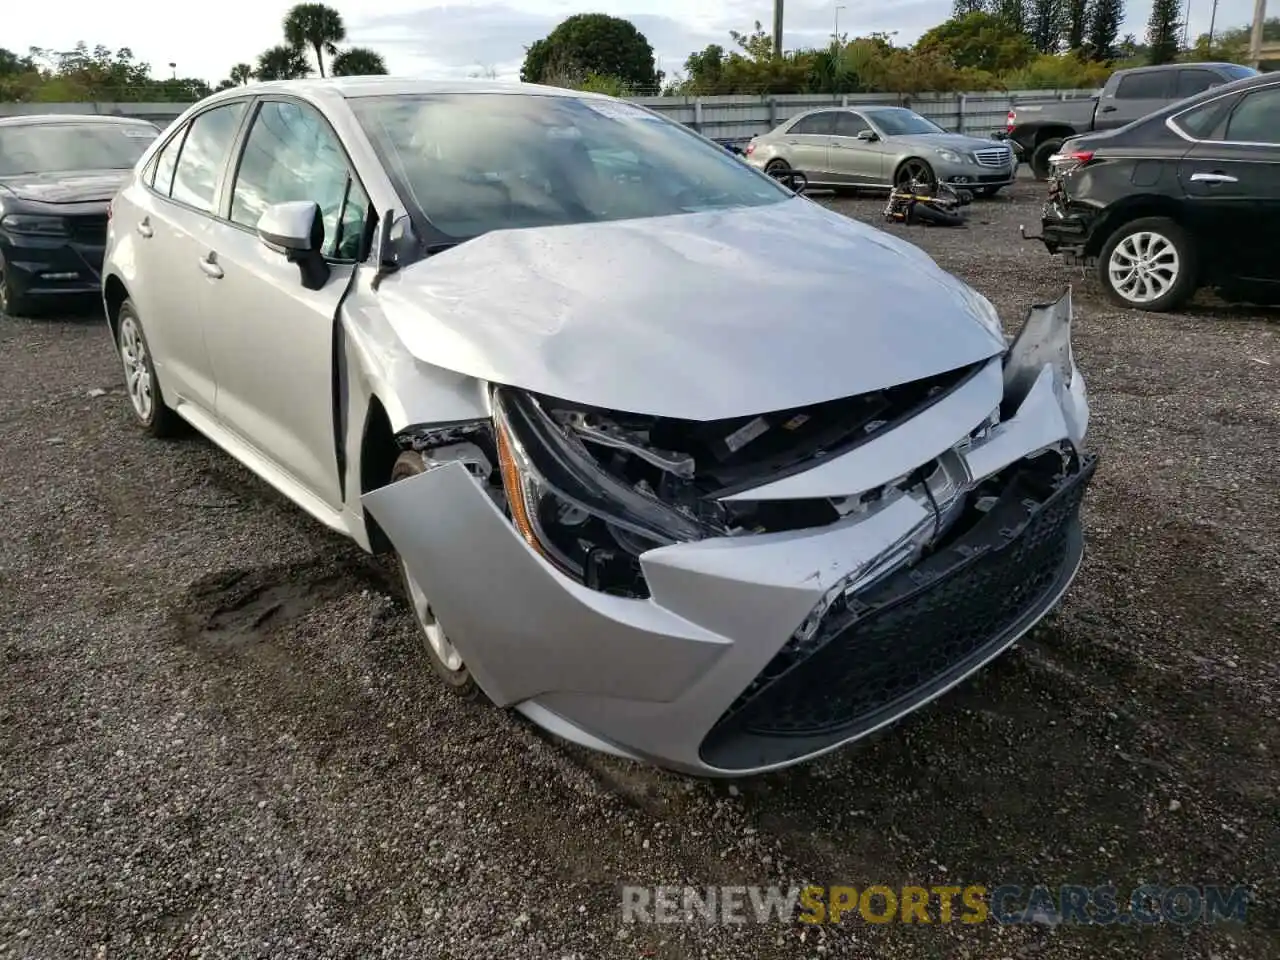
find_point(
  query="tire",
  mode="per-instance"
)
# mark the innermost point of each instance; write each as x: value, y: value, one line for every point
x: 146, y: 399
x: 776, y: 166
x: 1041, y: 154
x: 444, y: 660
x: 1170, y: 259
x: 11, y: 304
x: 914, y: 168
x: 933, y: 217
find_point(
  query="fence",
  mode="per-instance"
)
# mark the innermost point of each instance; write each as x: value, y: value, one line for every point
x: 731, y: 118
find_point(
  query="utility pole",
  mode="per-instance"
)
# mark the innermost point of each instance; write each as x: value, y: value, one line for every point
x: 777, y: 27
x: 1213, y: 19
x: 1255, y: 40
x: 839, y: 7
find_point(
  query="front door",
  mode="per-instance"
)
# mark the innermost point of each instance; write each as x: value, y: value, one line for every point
x: 1232, y: 185
x: 270, y: 338
x: 855, y: 161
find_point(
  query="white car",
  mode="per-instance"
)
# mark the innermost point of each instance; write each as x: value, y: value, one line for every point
x: 675, y: 462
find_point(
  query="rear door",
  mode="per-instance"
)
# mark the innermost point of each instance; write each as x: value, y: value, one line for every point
x: 1231, y: 179
x: 855, y: 161
x: 1137, y: 94
x: 171, y: 218
x: 808, y: 144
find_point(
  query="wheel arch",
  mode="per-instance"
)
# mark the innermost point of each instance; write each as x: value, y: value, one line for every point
x: 378, y: 453
x: 114, y: 294
x: 1126, y: 211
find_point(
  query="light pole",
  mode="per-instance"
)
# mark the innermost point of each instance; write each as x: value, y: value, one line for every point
x: 1213, y: 19
x: 1255, y: 39
x: 839, y: 7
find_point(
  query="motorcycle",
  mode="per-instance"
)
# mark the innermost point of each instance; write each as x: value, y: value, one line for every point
x: 936, y: 207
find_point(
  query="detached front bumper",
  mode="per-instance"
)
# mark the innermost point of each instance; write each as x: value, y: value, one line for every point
x: 757, y: 652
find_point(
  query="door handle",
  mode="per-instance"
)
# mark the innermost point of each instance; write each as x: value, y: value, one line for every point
x: 1109, y: 109
x: 1213, y: 178
x: 209, y: 264
x: 144, y: 227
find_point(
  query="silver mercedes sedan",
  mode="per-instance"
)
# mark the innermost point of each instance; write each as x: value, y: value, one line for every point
x: 673, y: 461
x: 881, y: 147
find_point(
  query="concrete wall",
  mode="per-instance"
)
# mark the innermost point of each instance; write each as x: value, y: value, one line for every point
x: 722, y: 118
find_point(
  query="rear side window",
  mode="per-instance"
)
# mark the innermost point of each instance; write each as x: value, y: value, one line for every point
x: 204, y: 152
x: 823, y: 124
x: 1191, y: 82
x: 1257, y: 119
x: 1201, y: 122
x: 166, y: 163
x: 1145, y: 86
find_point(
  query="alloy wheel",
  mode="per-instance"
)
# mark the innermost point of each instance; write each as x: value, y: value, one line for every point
x: 1143, y: 267
x: 914, y: 170
x: 137, y: 371
x: 445, y: 651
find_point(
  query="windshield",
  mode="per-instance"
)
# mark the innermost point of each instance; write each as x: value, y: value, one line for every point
x: 900, y: 122
x: 477, y: 162
x: 59, y: 147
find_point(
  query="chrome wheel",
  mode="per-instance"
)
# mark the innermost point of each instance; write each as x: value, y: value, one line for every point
x: 137, y: 370
x: 1143, y: 267
x: 445, y: 651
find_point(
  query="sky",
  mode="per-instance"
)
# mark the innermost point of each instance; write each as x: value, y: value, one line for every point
x: 438, y: 38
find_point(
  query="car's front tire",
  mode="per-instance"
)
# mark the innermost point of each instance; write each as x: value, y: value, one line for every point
x: 443, y: 657
x: 12, y: 303
x: 143, y: 387
x: 1149, y: 264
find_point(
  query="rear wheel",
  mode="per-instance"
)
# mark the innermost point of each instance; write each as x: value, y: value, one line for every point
x: 1149, y: 264
x: 442, y: 655
x: 1040, y: 157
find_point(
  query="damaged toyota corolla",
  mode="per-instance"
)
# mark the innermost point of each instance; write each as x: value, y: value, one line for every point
x: 675, y: 462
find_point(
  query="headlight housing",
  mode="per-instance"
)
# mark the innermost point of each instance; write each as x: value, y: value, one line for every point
x: 951, y: 156
x: 34, y: 224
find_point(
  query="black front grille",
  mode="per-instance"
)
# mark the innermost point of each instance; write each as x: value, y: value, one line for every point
x: 905, y: 637
x: 88, y: 229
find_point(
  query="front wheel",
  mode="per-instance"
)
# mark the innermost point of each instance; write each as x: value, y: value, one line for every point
x: 912, y: 171
x: 140, y: 380
x: 1149, y: 264
x: 444, y: 658
x: 11, y: 303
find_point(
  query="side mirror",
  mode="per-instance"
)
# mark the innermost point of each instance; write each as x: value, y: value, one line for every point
x: 868, y: 136
x: 296, y: 229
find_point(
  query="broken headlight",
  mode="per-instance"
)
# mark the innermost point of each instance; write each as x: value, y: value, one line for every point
x: 571, y: 511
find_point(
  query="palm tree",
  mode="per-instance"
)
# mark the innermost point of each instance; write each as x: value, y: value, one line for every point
x: 282, y: 63
x: 358, y: 62
x: 241, y: 74
x: 316, y: 26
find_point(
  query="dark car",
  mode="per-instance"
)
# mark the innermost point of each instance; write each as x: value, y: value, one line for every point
x: 58, y: 174
x: 1187, y: 197
x: 1040, y: 127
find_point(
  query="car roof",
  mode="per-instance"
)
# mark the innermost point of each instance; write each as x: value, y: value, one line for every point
x: 351, y: 87
x: 52, y: 119
x: 1162, y: 67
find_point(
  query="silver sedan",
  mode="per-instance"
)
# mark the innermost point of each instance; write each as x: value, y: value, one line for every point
x: 674, y: 462
x: 881, y: 147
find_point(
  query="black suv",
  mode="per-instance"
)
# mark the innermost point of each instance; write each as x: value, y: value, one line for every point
x: 1188, y: 196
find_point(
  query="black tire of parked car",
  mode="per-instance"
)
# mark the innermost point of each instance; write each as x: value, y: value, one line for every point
x: 1184, y: 284
x: 162, y: 422
x: 11, y: 305
x: 1040, y: 157
x: 459, y: 682
x: 777, y: 167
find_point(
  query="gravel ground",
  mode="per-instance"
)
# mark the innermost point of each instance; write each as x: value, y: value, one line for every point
x: 216, y: 739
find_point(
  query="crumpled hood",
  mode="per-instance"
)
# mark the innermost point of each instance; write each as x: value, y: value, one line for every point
x: 701, y: 316
x: 71, y: 187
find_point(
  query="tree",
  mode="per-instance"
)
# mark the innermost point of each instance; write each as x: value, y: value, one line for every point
x: 241, y: 74
x: 1162, y: 31
x: 705, y: 70
x: 963, y: 8
x: 1105, y: 17
x: 593, y: 43
x: 316, y: 26
x: 1012, y: 12
x: 1075, y: 23
x: 282, y: 63
x: 978, y: 41
x: 358, y: 62
x: 11, y: 65
x: 1044, y: 24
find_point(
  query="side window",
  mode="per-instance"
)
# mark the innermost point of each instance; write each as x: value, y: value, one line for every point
x: 1201, y: 122
x: 204, y: 151
x: 1257, y: 119
x: 292, y: 153
x: 165, y: 163
x: 850, y: 125
x: 1145, y: 86
x: 1191, y: 82
x: 822, y: 124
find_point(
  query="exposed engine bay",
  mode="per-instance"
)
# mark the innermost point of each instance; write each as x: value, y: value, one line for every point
x: 591, y: 489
